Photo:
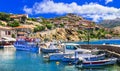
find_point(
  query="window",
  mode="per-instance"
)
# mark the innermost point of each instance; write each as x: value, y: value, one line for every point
x: 9, y: 32
x: 5, y: 32
x: 70, y: 47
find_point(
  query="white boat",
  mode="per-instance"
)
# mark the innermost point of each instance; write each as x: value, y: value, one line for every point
x: 56, y: 56
x: 84, y: 63
x: 88, y: 55
x: 68, y: 49
x: 50, y: 48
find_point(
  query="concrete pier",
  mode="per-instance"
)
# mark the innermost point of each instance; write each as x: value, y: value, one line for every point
x: 113, y: 50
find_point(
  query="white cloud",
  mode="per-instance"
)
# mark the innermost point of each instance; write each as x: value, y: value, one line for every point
x: 27, y: 10
x: 108, y: 1
x: 91, y: 10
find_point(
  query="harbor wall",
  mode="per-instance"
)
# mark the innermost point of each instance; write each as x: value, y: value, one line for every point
x: 114, y: 50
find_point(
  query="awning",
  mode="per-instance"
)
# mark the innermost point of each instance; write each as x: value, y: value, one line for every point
x: 8, y: 39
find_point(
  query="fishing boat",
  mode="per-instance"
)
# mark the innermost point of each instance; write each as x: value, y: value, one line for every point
x: 84, y: 64
x: 57, y: 56
x: 27, y: 44
x: 88, y: 55
x: 67, y: 49
x: 50, y: 48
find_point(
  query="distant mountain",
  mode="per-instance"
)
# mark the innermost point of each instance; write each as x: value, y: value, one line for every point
x: 110, y: 23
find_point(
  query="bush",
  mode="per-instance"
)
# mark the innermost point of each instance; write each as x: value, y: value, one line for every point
x: 32, y: 19
x: 49, y: 26
x: 13, y: 35
x: 36, y: 29
x: 2, y: 24
x: 61, y: 25
x: 14, y: 24
x: 80, y: 31
x: 39, y: 28
x: 4, y: 17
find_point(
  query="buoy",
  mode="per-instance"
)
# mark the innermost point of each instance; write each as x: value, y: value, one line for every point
x: 57, y: 63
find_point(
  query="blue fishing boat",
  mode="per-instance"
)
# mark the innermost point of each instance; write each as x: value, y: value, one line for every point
x: 27, y: 44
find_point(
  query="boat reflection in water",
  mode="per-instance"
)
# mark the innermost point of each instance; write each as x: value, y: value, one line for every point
x: 7, y: 53
x: 100, y: 68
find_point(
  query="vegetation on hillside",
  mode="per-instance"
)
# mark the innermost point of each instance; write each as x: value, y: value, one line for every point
x: 32, y: 19
x: 13, y: 24
x: 72, y: 27
x: 4, y: 16
x: 39, y: 28
x: 2, y: 24
x: 95, y: 34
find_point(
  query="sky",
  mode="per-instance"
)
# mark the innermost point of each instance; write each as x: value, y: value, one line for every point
x: 94, y: 10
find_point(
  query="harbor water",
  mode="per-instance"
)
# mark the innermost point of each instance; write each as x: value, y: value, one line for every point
x: 12, y: 60
x: 102, y: 41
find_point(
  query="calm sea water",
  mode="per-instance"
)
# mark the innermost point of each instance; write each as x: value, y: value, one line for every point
x: 12, y: 60
x: 110, y: 41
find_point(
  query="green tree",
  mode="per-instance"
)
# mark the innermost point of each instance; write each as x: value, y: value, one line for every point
x: 14, y: 24
x: 13, y: 35
x: 80, y: 31
x: 49, y: 26
x: 61, y: 25
x: 39, y: 28
x: 4, y: 16
x: 36, y: 29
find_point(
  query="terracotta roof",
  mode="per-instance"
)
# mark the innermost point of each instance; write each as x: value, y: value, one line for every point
x: 5, y: 28
x: 18, y: 16
x: 21, y: 33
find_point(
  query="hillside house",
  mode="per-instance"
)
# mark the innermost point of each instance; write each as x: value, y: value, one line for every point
x: 6, y: 32
x: 21, y: 17
x: 24, y: 30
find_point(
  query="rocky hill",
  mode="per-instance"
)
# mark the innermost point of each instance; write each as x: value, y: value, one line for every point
x: 110, y: 23
x: 70, y: 27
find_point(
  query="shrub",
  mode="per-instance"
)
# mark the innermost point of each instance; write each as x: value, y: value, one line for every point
x: 61, y: 25
x: 39, y: 28
x: 36, y: 29
x: 14, y: 24
x: 80, y: 31
x: 32, y: 19
x: 4, y: 17
x: 2, y: 24
x: 13, y: 35
x: 49, y: 26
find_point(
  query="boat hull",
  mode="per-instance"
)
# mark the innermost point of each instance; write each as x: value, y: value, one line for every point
x: 57, y: 56
x: 44, y: 50
x: 93, y: 58
x: 26, y: 48
x: 97, y: 63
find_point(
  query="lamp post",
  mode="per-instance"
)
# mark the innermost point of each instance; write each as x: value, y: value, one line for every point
x: 89, y: 29
x: 88, y: 35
